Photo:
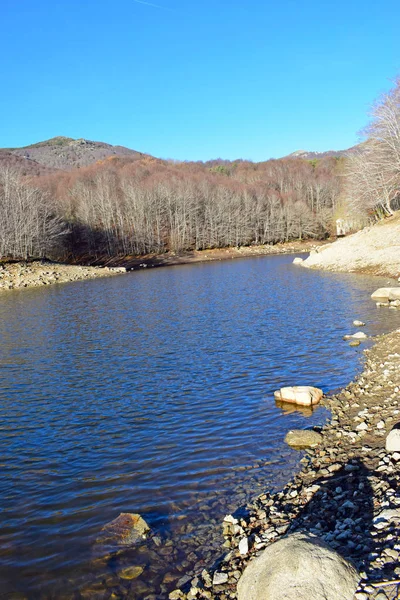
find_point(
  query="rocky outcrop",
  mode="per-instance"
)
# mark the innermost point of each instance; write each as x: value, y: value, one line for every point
x: 298, y: 567
x: 301, y: 394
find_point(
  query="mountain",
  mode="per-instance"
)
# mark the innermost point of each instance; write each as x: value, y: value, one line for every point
x: 307, y: 155
x: 65, y: 153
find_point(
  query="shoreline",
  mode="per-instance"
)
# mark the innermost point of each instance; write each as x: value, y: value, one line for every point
x: 37, y: 273
x: 340, y: 493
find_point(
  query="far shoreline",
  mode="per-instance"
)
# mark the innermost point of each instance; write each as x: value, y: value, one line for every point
x: 26, y: 274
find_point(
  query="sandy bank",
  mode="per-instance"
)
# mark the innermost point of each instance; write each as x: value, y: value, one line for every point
x: 374, y: 250
x: 347, y: 491
x: 38, y: 273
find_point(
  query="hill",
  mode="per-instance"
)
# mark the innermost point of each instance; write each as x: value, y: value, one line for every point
x: 66, y: 154
x: 374, y: 250
x: 310, y: 155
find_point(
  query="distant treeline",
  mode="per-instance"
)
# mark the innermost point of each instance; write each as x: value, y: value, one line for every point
x: 123, y: 207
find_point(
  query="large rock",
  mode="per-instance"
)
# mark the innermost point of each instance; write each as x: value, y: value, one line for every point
x: 303, y: 438
x: 299, y: 394
x: 297, y: 260
x: 393, y: 440
x: 298, y: 567
x: 126, y: 530
x: 384, y: 294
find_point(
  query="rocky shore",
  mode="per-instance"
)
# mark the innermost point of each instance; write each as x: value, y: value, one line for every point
x: 25, y: 274
x: 34, y: 274
x: 374, y: 250
x: 347, y: 492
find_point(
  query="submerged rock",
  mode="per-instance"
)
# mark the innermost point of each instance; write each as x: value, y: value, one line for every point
x: 130, y: 573
x: 300, y: 394
x: 303, y: 438
x: 126, y: 530
x: 298, y: 567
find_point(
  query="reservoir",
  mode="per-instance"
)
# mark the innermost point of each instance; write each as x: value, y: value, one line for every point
x: 152, y: 393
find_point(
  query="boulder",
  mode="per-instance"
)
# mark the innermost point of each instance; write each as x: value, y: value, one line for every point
x: 394, y: 294
x: 303, y: 438
x: 126, y: 530
x: 384, y: 294
x: 358, y: 323
x: 297, y: 260
x: 393, y: 440
x: 355, y: 343
x: 299, y: 394
x: 299, y: 566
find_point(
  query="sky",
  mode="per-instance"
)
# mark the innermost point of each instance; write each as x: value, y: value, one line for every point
x: 195, y: 80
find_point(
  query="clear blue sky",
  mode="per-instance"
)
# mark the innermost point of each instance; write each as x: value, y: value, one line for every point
x: 196, y: 79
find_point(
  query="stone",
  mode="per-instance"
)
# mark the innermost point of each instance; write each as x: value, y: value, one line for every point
x: 297, y: 260
x: 130, y: 572
x: 393, y: 440
x: 354, y: 343
x: 360, y: 335
x: 301, y: 394
x: 381, y: 294
x: 299, y: 566
x: 126, y: 530
x: 358, y: 323
x: 243, y: 546
x: 394, y: 294
x: 303, y: 438
x: 220, y: 578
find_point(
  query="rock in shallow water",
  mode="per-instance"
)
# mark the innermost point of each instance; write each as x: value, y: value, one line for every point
x: 126, y: 530
x: 303, y: 438
x: 298, y: 567
x: 300, y: 394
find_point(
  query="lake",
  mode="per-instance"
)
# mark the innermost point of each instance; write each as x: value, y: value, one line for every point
x: 152, y: 393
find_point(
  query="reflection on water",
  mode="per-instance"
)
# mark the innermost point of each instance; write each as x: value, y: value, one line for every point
x: 153, y: 393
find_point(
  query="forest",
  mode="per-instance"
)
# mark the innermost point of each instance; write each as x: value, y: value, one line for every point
x: 119, y: 206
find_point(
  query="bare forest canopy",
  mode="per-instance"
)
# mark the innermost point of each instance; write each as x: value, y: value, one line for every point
x: 80, y: 199
x: 121, y: 206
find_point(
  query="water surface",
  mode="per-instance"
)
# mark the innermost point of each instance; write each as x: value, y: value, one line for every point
x: 153, y: 393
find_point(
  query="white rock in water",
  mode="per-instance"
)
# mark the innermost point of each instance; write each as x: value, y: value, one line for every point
x: 360, y: 335
x: 297, y: 260
x: 384, y: 294
x: 243, y: 546
x: 393, y: 441
x: 358, y: 323
x: 305, y: 395
x: 299, y: 566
